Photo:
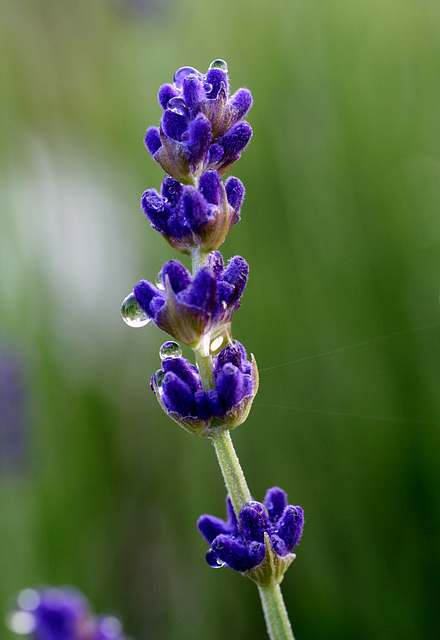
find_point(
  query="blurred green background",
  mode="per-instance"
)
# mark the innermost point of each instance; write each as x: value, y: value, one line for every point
x: 341, y: 228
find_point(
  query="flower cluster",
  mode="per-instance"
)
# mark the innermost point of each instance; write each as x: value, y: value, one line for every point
x: 260, y: 543
x: 189, y: 307
x: 60, y: 614
x: 180, y: 392
x: 201, y: 127
x: 189, y: 217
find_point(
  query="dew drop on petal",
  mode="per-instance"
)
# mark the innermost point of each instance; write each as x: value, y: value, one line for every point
x: 159, y: 375
x: 159, y: 282
x: 207, y: 87
x: 21, y: 622
x: 181, y: 74
x: 170, y: 349
x: 177, y: 105
x: 132, y: 313
x: 219, y: 64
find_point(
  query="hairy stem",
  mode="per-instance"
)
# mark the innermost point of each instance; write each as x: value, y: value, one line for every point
x: 275, y: 614
x: 232, y: 472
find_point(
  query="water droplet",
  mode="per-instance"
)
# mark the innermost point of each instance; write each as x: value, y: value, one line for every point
x: 170, y: 350
x: 219, y: 564
x: 159, y: 282
x: 177, y: 105
x: 216, y: 344
x: 219, y: 64
x: 28, y: 599
x: 159, y: 375
x: 21, y: 622
x: 132, y: 313
x: 171, y: 190
x: 207, y: 87
x: 181, y: 74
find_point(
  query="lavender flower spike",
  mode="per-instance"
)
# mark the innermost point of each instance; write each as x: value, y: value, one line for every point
x: 201, y: 127
x: 60, y: 614
x: 180, y: 393
x: 260, y: 543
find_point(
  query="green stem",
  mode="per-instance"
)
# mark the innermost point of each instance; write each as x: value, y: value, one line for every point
x: 275, y: 614
x: 204, y: 363
x: 232, y: 472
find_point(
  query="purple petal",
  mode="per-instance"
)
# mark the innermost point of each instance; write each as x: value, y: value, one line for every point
x: 235, y: 554
x: 229, y: 384
x: 174, y: 125
x: 179, y: 277
x: 216, y: 153
x: 275, y: 503
x: 177, y: 396
x: 193, y: 93
x: 145, y: 293
x: 194, y: 208
x: 166, y: 92
x: 183, y: 370
x: 210, y: 527
x: 215, y: 77
x: 235, y: 193
x: 235, y: 140
x: 152, y: 140
x: 171, y: 190
x: 202, y: 405
x: 254, y: 521
x: 202, y: 292
x: 211, y: 186
x: 215, y: 261
x: 215, y: 404
x: 290, y: 526
x: 199, y: 138
x: 233, y: 352
x: 241, y: 102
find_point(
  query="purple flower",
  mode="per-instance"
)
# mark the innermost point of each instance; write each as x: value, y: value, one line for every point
x: 178, y: 388
x: 201, y: 127
x: 188, y: 217
x: 260, y: 543
x: 60, y: 614
x: 189, y: 307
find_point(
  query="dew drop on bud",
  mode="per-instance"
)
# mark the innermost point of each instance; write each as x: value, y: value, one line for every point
x: 219, y: 64
x: 170, y: 350
x: 159, y: 376
x: 207, y: 87
x: 159, y: 282
x: 132, y: 313
x: 181, y: 74
x: 177, y: 105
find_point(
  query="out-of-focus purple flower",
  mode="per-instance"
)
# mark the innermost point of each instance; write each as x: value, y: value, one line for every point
x: 60, y: 614
x: 189, y: 307
x: 180, y: 393
x: 201, y: 127
x: 14, y: 411
x: 188, y: 217
x: 260, y: 543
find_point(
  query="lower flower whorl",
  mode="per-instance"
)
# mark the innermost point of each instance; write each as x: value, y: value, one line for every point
x: 178, y: 388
